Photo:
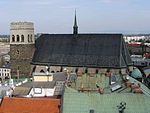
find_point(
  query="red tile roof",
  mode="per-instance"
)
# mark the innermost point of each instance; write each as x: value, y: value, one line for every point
x: 28, y: 105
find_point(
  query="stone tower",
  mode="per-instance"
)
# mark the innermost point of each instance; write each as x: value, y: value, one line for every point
x: 21, y: 48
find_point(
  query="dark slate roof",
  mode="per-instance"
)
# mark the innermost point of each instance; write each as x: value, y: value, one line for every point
x: 39, y: 84
x: 61, y: 76
x: 90, y: 50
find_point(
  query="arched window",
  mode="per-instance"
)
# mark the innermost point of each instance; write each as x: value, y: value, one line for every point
x: 22, y: 38
x: 18, y: 38
x: 86, y: 70
x: 76, y: 70
x: 52, y: 71
x: 28, y: 38
x: 61, y: 69
x: 96, y: 71
x: 31, y: 38
x: 13, y: 38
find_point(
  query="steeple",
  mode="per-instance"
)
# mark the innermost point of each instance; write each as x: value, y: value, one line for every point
x: 75, y: 27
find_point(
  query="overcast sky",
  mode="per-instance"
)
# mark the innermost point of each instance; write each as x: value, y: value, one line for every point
x: 93, y: 16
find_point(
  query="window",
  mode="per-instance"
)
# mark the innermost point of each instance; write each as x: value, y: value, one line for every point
x: 76, y: 70
x: 52, y: 71
x: 13, y: 38
x: 31, y: 38
x: 28, y: 38
x: 86, y: 71
x: 61, y: 69
x: 22, y: 38
x: 96, y: 71
x: 18, y: 38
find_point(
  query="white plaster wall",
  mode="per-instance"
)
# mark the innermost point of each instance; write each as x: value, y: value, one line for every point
x: 40, y: 93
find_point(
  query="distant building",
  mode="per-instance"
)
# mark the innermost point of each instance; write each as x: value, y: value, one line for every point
x: 138, y: 60
x: 5, y: 73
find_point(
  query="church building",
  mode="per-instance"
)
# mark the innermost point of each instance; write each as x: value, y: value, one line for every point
x: 86, y: 53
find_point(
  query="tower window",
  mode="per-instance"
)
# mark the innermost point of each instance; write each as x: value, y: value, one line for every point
x: 18, y: 38
x: 31, y: 38
x: 28, y: 38
x: 13, y: 38
x: 22, y: 38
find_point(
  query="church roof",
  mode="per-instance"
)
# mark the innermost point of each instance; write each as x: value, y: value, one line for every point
x: 89, y: 50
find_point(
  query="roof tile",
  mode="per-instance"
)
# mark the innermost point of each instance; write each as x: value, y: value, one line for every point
x: 24, y: 105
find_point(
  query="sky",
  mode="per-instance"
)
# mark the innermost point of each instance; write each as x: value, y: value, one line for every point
x: 93, y: 16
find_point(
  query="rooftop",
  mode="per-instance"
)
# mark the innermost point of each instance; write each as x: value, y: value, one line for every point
x: 75, y: 102
x: 83, y: 95
x: 28, y: 105
x: 91, y: 50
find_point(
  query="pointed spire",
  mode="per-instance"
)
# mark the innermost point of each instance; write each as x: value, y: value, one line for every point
x: 75, y: 27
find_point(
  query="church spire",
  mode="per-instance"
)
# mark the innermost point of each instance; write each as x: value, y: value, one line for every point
x: 75, y: 27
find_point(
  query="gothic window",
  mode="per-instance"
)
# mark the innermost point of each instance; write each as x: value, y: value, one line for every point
x: 86, y: 71
x: 76, y: 70
x: 13, y: 38
x: 18, y: 38
x: 96, y: 71
x: 22, y: 38
x: 28, y: 38
x: 61, y: 69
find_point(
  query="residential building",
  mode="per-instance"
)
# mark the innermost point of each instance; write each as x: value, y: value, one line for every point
x: 43, y: 85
